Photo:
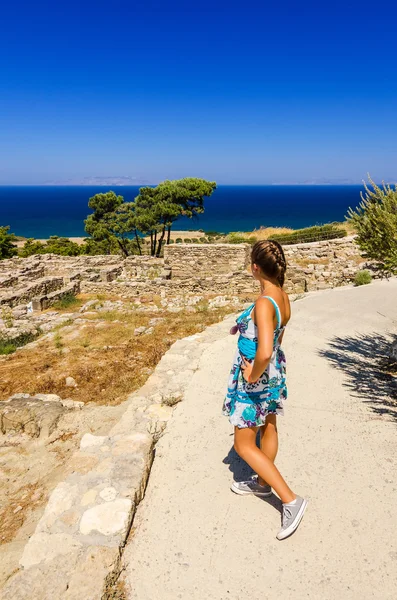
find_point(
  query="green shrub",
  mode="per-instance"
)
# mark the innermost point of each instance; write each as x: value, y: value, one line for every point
x: 58, y: 341
x: 67, y: 301
x: 236, y: 237
x: 213, y: 233
x: 6, y: 347
x: 187, y: 241
x: 171, y: 241
x: 7, y: 248
x: 55, y: 245
x: 202, y: 306
x: 203, y: 240
x: 309, y: 234
x: 178, y: 241
x: 31, y: 247
x: 375, y: 221
x: 6, y: 315
x: 362, y: 277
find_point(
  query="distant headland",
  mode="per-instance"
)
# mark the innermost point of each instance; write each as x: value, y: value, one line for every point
x: 115, y: 181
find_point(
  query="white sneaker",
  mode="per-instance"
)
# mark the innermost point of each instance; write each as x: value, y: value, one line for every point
x: 292, y: 516
x: 243, y: 488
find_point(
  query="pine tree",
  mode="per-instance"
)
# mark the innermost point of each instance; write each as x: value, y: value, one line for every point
x: 112, y: 219
x: 7, y: 240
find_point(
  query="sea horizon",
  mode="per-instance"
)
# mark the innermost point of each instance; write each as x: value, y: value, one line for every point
x: 40, y: 211
x: 295, y: 183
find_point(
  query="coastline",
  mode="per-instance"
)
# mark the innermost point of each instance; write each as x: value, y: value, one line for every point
x: 76, y: 240
x: 80, y: 240
x: 42, y: 211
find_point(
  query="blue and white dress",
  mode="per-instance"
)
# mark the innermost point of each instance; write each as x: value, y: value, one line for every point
x: 248, y: 404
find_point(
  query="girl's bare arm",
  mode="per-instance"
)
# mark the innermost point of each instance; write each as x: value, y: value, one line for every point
x: 264, y: 320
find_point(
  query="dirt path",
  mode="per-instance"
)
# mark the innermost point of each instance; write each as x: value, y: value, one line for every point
x: 194, y: 539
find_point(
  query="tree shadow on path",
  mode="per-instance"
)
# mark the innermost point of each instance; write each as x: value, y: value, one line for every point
x: 241, y: 471
x: 370, y: 368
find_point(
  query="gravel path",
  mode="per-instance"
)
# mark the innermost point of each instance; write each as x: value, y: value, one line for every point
x: 195, y: 540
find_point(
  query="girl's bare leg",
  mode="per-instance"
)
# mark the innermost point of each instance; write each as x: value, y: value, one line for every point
x: 269, y: 440
x: 245, y: 446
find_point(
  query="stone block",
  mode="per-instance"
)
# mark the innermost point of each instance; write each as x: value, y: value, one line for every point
x: 87, y: 580
x: 44, y: 547
x: 89, y: 497
x: 160, y: 412
x: 91, y: 441
x: 46, y: 581
x: 139, y: 330
x: 109, y: 518
x: 108, y: 494
x: 48, y: 397
x: 322, y: 285
x: 203, y: 260
x: 31, y: 416
x: 70, y: 382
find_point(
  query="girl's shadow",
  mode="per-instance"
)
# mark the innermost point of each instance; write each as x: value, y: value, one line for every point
x: 241, y: 471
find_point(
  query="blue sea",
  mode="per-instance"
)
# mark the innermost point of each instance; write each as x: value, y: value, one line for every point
x: 41, y: 211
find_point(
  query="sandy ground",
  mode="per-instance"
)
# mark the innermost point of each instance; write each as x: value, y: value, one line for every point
x: 80, y: 240
x: 194, y: 539
x: 77, y: 240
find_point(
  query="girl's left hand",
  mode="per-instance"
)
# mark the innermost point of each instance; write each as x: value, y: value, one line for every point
x: 246, y: 368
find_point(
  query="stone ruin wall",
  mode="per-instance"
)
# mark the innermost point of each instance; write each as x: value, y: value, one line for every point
x: 186, y: 268
x: 206, y: 260
x: 312, y: 266
x: 321, y: 265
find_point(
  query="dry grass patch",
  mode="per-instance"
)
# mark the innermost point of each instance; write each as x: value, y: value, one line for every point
x: 357, y: 259
x: 106, y: 359
x: 13, y: 512
x: 263, y: 233
x: 346, y: 226
x: 305, y: 262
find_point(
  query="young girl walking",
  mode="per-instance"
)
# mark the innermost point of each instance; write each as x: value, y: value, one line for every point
x: 257, y: 387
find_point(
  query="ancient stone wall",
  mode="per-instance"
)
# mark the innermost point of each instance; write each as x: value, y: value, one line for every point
x: 325, y: 264
x: 206, y: 260
x: 241, y: 283
x: 224, y: 268
x: 145, y: 267
x: 40, y: 287
x: 186, y: 268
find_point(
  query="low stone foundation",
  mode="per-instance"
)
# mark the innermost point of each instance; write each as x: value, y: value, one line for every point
x: 44, y: 302
x: 188, y: 261
x: 325, y: 264
x: 22, y: 295
x: 185, y: 269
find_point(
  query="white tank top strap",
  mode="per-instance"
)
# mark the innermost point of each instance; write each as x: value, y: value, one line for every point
x: 276, y: 308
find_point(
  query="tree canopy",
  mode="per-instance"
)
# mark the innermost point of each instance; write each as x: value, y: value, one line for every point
x: 7, y: 240
x: 112, y: 219
x: 158, y: 208
x: 375, y: 220
x: 152, y: 213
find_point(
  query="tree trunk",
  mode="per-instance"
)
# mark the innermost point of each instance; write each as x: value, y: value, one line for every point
x: 160, y: 242
x: 154, y: 244
x: 138, y: 243
x: 168, y: 234
x: 122, y: 247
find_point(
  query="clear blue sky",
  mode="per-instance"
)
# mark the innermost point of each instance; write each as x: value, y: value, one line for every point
x: 239, y: 92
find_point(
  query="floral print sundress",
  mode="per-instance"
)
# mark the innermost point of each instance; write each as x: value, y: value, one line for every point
x: 248, y: 404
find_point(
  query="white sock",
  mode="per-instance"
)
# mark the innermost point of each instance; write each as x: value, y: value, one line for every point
x: 290, y: 503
